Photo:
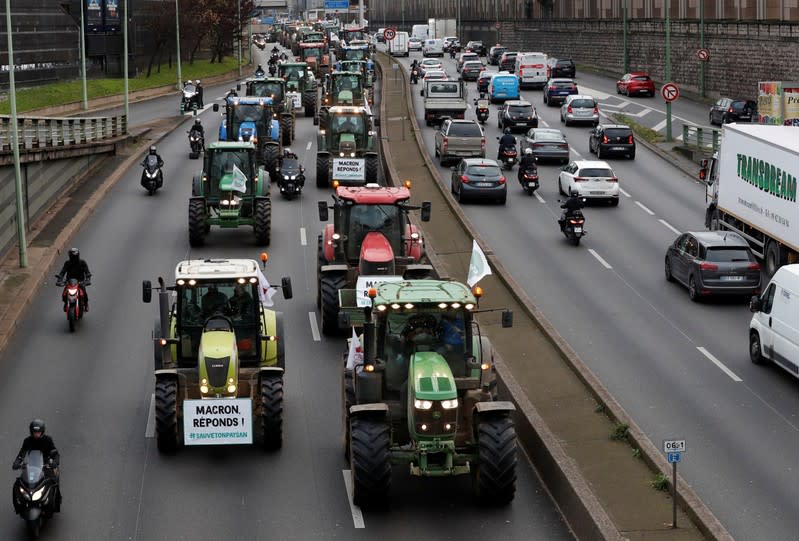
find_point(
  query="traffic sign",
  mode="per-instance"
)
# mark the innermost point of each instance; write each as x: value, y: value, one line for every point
x: 674, y: 446
x: 674, y: 457
x: 337, y: 4
x: 670, y: 92
x: 389, y: 34
x: 703, y: 55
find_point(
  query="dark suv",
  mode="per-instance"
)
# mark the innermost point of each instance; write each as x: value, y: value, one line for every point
x: 477, y: 47
x: 608, y: 139
x: 507, y: 62
x: 494, y: 53
x: 563, y: 68
x: 517, y: 115
x: 728, y: 110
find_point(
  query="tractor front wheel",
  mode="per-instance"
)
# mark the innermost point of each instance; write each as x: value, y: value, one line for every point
x: 287, y: 130
x: 348, y: 397
x: 372, y: 166
x: 309, y: 102
x: 320, y: 262
x: 166, y: 414
x: 272, y: 414
x: 370, y: 462
x: 271, y: 156
x: 263, y: 222
x: 197, y: 222
x: 329, y: 285
x: 322, y: 172
x: 495, y: 478
x: 323, y: 117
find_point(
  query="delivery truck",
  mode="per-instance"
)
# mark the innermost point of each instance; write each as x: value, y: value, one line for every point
x: 399, y: 45
x: 440, y: 28
x: 751, y: 189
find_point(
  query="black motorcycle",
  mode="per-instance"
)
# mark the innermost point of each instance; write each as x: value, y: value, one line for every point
x: 151, y: 177
x: 508, y: 155
x: 196, y: 143
x: 190, y: 100
x: 414, y: 76
x: 573, y: 226
x: 528, y: 178
x: 481, y: 110
x: 36, y: 495
x: 291, y: 178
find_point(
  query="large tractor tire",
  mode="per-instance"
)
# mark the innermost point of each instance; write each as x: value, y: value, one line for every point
x: 309, y: 102
x: 197, y: 222
x: 271, y: 156
x: 370, y: 462
x: 281, y: 342
x: 322, y: 171
x: 287, y: 130
x: 320, y: 262
x: 323, y: 114
x: 495, y: 479
x: 166, y: 414
x: 263, y: 222
x: 372, y: 166
x: 272, y: 415
x: 329, y: 285
x: 348, y: 399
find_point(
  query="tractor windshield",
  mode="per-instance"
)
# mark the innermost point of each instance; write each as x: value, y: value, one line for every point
x: 222, y: 162
x: 266, y: 89
x: 349, y: 83
x: 355, y: 54
x: 293, y: 72
x: 247, y: 113
x: 311, y: 52
x: 353, y: 66
x: 362, y: 219
x: 344, y: 123
x: 237, y: 302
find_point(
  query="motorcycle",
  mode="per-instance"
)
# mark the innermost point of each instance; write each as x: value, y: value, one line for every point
x: 507, y: 156
x: 36, y: 494
x: 190, y: 101
x: 151, y: 178
x: 528, y: 178
x: 573, y: 226
x: 414, y: 76
x: 291, y: 178
x: 196, y: 143
x: 74, y: 299
x: 481, y: 110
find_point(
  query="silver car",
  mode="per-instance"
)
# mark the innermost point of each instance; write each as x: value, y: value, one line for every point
x: 547, y: 144
x: 579, y: 108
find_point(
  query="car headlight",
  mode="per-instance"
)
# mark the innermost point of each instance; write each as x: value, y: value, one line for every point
x: 449, y: 404
x: 422, y: 404
x: 38, y: 494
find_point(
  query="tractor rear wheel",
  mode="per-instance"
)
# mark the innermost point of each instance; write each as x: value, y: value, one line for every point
x: 495, y: 478
x: 272, y: 415
x: 329, y: 285
x: 370, y: 462
x: 372, y: 166
x: 197, y: 225
x: 287, y: 129
x: 322, y: 172
x: 166, y: 414
x: 271, y: 156
x: 309, y: 102
x: 320, y: 262
x: 263, y: 222
x: 348, y: 397
x: 323, y: 114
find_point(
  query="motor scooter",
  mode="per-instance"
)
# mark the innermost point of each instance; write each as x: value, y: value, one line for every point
x: 481, y: 110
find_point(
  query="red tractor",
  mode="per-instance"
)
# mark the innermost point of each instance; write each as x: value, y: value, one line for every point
x: 370, y: 237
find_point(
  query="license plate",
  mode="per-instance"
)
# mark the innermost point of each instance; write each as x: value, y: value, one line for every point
x: 578, y: 229
x: 595, y: 192
x: 483, y: 184
x: 617, y: 148
x: 532, y: 184
x: 732, y: 278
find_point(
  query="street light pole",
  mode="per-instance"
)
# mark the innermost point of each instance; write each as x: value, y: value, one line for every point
x: 125, y: 64
x: 23, y: 253
x: 496, y: 19
x: 83, y: 58
x: 238, y: 13
x: 624, y: 26
x: 459, y: 20
x: 702, y: 46
x: 668, y: 68
x: 177, y: 43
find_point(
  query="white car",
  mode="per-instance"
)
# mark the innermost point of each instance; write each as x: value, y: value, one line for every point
x: 414, y: 44
x: 435, y: 75
x: 591, y: 179
x: 431, y: 64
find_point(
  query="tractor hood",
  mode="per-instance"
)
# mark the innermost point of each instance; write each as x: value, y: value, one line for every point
x: 377, y: 256
x: 218, y: 361
x: 345, y: 97
x: 431, y: 376
x: 247, y: 130
x: 347, y: 144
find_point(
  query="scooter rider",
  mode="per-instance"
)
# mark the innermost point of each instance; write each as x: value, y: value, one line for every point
x: 527, y: 163
x: 77, y: 268
x: 39, y: 441
x: 198, y: 129
x: 573, y: 204
x: 506, y: 141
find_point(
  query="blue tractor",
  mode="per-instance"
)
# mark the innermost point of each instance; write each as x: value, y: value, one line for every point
x: 253, y: 119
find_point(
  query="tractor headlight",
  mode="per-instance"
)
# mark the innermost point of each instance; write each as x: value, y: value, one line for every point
x: 241, y: 139
x: 231, y: 388
x: 253, y: 139
x: 204, y: 389
x: 449, y: 404
x: 340, y: 154
x: 224, y: 202
x: 352, y: 154
x: 38, y: 494
x: 422, y: 404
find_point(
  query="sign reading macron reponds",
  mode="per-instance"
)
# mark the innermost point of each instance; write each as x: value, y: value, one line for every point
x: 365, y: 283
x: 217, y: 421
x: 349, y: 169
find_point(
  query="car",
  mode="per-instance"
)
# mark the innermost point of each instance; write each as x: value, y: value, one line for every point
x: 448, y: 40
x: 431, y: 64
x: 612, y: 139
x: 471, y: 69
x: 728, y: 110
x: 637, y: 82
x: 481, y: 178
x: 435, y: 75
x: 713, y: 263
x: 476, y: 47
x: 517, y: 115
x: 494, y: 53
x: 507, y: 62
x: 772, y: 329
x: 556, y: 90
x: 483, y: 80
x: 378, y: 36
x: 591, y: 179
x: 563, y: 67
x: 414, y: 44
x: 457, y: 138
x: 547, y: 144
x: 465, y: 56
x: 579, y: 108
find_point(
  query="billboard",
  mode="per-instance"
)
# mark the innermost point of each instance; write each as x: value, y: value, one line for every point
x: 112, y: 15
x: 94, y: 15
x: 778, y: 103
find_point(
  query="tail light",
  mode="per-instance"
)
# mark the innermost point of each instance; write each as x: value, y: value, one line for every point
x: 729, y: 110
x: 537, y: 145
x: 502, y: 180
x: 596, y: 109
x: 445, y: 143
x: 563, y: 145
x: 580, y: 179
x: 613, y: 179
x: 708, y: 267
x: 753, y: 266
x: 464, y: 179
x: 483, y: 144
x: 630, y: 140
x: 605, y: 139
x: 569, y: 109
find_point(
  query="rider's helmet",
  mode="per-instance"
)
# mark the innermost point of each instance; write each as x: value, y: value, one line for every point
x: 197, y: 122
x: 74, y: 255
x: 573, y: 193
x: 37, y: 425
x: 153, y: 150
x: 507, y: 130
x: 528, y: 151
x: 197, y: 82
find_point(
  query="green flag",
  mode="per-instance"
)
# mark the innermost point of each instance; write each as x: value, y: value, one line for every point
x: 239, y: 181
x: 478, y: 265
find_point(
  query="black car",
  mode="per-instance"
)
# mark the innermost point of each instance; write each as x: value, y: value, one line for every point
x: 728, y: 110
x: 713, y: 263
x: 494, y: 54
x: 471, y: 70
x: 507, y: 62
x: 606, y: 139
x: 477, y: 47
x: 518, y: 115
x: 564, y: 67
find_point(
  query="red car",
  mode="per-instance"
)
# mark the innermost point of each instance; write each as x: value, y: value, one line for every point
x: 634, y: 83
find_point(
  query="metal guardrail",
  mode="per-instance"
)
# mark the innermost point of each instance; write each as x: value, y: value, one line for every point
x: 42, y: 132
x: 706, y: 139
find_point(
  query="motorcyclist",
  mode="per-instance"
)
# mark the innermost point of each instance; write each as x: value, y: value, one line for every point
x: 200, y: 92
x: 39, y: 441
x: 272, y: 69
x: 527, y: 163
x: 275, y: 50
x: 573, y: 204
x: 231, y: 93
x: 259, y: 71
x: 506, y: 141
x: 154, y: 152
x: 77, y: 268
x: 197, y: 128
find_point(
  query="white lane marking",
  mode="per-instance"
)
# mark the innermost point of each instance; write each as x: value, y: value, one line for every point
x: 599, y: 258
x: 576, y: 153
x: 357, y: 515
x: 314, y: 327
x: 303, y: 237
x: 543, y: 122
x: 625, y: 193
x: 644, y: 208
x: 468, y: 106
x: 541, y: 199
x: 149, y: 432
x: 308, y: 146
x: 660, y: 125
x: 667, y: 224
x: 598, y: 94
x: 718, y: 363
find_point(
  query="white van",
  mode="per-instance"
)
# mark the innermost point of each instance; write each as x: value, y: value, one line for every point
x: 774, y: 329
x: 399, y: 45
x: 419, y: 31
x: 531, y: 69
x: 433, y: 47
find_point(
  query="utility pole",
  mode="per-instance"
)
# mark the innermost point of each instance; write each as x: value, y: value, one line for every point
x: 360, y: 13
x: 668, y: 70
x: 238, y: 24
x: 12, y: 96
x: 177, y: 43
x: 625, y: 30
x: 83, y: 58
x: 702, y: 46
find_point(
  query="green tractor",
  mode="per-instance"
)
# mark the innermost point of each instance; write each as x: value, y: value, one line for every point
x: 219, y: 356
x: 301, y: 86
x: 347, y: 148
x: 360, y: 66
x: 231, y: 191
x: 275, y: 88
x: 424, y: 394
x: 342, y: 88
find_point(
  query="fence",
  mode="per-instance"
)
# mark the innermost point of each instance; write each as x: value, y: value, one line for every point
x: 705, y: 139
x: 36, y: 133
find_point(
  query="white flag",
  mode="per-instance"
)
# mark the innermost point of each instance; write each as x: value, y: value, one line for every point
x: 239, y: 181
x: 265, y: 291
x: 355, y: 354
x: 478, y: 265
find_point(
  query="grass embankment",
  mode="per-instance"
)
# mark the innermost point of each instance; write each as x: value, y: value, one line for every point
x: 71, y: 91
x: 648, y: 134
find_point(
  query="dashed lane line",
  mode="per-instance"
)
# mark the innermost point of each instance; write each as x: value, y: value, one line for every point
x: 357, y: 515
x: 644, y: 208
x: 624, y: 193
x: 720, y: 364
x: 540, y: 199
x: 149, y: 432
x: 314, y: 327
x: 671, y: 227
x: 308, y: 146
x: 303, y: 237
x: 599, y: 258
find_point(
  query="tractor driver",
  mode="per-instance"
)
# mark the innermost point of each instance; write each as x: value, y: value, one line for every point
x: 214, y: 301
x: 241, y: 302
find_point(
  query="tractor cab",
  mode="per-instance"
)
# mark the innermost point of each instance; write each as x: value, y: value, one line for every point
x: 347, y: 88
x: 358, y: 52
x: 272, y: 88
x: 228, y: 170
x: 246, y: 119
x: 293, y: 73
x: 348, y: 130
x: 357, y: 66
